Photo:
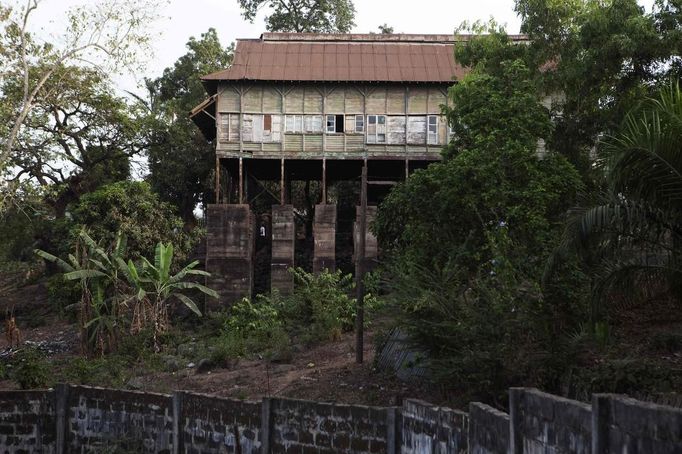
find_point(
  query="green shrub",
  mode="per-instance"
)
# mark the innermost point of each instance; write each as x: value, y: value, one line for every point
x: 253, y: 328
x: 62, y: 293
x: 320, y: 308
x: 30, y: 369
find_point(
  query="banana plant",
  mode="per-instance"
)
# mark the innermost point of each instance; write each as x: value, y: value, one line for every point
x: 155, y: 282
x: 103, y: 293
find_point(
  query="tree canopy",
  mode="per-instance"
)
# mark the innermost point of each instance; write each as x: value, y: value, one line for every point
x: 181, y: 162
x: 319, y: 16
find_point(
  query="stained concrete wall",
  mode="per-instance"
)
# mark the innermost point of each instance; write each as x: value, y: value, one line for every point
x: 99, y: 420
x: 283, y: 238
x: 209, y: 424
x: 624, y: 425
x: 230, y: 246
x: 371, y: 243
x: 488, y: 430
x: 545, y: 423
x: 324, y: 233
x: 27, y: 422
x: 427, y: 429
x: 303, y: 426
x: 85, y: 419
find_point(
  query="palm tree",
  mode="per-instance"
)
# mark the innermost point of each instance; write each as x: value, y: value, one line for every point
x: 631, y: 235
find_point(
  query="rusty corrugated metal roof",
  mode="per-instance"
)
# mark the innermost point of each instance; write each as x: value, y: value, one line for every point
x: 345, y: 57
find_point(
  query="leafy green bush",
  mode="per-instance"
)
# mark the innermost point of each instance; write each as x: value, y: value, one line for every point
x: 30, y: 369
x: 320, y: 307
x: 131, y: 208
x: 253, y: 328
x: 62, y: 293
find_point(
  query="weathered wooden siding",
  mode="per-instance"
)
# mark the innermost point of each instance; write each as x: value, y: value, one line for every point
x: 242, y: 126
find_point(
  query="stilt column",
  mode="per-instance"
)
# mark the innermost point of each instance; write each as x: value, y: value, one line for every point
x: 230, y: 244
x: 371, y: 243
x: 283, y: 236
x: 324, y: 233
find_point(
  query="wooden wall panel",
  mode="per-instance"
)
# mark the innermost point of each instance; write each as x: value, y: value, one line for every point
x: 253, y: 99
x: 313, y: 100
x: 396, y: 101
x: 272, y: 100
x: 228, y: 99
x: 417, y: 100
x: 294, y: 100
x: 335, y: 101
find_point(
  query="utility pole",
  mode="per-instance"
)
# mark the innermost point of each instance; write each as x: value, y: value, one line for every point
x: 360, y: 271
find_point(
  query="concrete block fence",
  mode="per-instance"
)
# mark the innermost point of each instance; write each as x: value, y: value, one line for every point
x: 83, y: 419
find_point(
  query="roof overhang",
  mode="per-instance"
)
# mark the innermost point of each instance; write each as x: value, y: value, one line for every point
x: 204, y: 116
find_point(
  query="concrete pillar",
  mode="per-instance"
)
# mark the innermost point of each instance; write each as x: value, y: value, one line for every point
x: 324, y: 233
x: 230, y: 244
x: 371, y: 244
x: 283, y: 236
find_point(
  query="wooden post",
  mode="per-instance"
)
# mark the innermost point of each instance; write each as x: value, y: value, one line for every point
x: 324, y: 180
x: 360, y: 271
x: 217, y: 179
x: 281, y: 182
x: 407, y: 168
x: 241, y: 181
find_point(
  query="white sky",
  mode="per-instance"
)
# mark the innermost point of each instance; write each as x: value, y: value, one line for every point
x: 185, y: 18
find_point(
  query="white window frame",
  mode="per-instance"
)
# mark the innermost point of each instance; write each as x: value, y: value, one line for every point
x: 432, y: 137
x: 298, y: 122
x: 373, y: 138
x: 330, y: 128
x: 362, y: 124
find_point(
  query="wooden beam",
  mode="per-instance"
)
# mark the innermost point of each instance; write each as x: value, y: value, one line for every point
x: 281, y: 182
x: 217, y: 179
x: 360, y: 272
x: 241, y: 181
x: 324, y: 180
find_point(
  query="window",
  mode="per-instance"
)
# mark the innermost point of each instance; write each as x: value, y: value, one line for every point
x: 359, y: 123
x: 293, y: 123
x: 313, y: 123
x: 262, y: 128
x: 416, y: 129
x: 228, y: 127
x: 432, y: 132
x: 376, y: 128
x: 334, y: 123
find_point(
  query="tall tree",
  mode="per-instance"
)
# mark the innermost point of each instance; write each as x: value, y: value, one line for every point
x: 631, y: 237
x: 106, y: 35
x: 602, y: 56
x: 474, y: 231
x: 319, y: 16
x: 77, y: 136
x: 182, y: 162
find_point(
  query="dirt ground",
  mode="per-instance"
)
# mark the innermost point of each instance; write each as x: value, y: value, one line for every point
x: 327, y: 372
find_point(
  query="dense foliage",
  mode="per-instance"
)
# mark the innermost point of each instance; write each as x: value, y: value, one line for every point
x: 129, y: 207
x: 181, y: 161
x: 475, y: 231
x: 316, y: 16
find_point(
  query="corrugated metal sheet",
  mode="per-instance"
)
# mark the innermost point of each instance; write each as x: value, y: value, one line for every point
x: 345, y: 57
x: 398, y: 356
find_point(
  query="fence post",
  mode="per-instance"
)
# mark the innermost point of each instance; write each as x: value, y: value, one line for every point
x: 515, y: 437
x: 392, y: 430
x: 177, y: 422
x: 601, y: 407
x: 61, y: 404
x: 265, y: 425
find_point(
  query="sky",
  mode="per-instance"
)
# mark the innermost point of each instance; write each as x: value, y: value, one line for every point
x: 181, y: 19
x: 184, y: 18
